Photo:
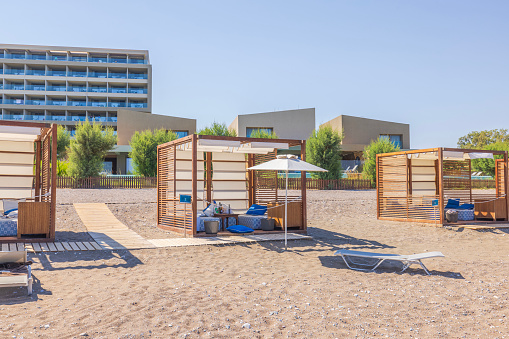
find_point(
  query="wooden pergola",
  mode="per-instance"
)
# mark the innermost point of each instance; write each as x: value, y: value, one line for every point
x: 209, y: 168
x: 28, y: 159
x: 416, y: 185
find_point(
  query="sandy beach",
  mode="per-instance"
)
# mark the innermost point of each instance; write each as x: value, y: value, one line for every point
x: 259, y: 290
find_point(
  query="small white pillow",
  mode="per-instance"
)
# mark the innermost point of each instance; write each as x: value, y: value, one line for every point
x: 209, y: 211
x: 10, y: 204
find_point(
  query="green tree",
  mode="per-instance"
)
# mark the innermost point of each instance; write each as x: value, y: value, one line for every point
x: 144, y: 150
x: 487, y: 166
x: 323, y: 149
x: 381, y: 145
x: 63, y: 142
x: 88, y: 149
x: 261, y: 133
x: 478, y: 140
x: 218, y: 129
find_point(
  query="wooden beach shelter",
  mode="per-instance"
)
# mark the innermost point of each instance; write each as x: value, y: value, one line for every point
x: 28, y: 178
x: 416, y: 185
x: 214, y: 168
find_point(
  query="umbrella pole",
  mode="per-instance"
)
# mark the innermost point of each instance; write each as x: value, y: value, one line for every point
x: 286, y: 210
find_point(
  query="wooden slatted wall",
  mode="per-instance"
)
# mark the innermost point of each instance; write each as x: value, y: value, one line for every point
x: 458, y: 183
x: 406, y: 189
x: 499, y: 177
x: 45, y: 166
x: 172, y: 215
x: 265, y: 182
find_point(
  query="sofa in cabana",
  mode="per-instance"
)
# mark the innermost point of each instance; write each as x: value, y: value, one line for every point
x: 27, y: 181
x: 214, y: 168
x: 425, y: 185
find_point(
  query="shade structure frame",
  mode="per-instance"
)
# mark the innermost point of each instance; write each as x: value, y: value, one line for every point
x: 28, y: 173
x: 250, y: 186
x: 414, y: 186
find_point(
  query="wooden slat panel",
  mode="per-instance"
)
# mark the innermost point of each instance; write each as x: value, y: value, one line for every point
x: 67, y: 246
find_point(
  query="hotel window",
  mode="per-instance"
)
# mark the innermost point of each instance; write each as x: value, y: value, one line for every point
x: 395, y: 139
x: 181, y: 134
x: 250, y: 130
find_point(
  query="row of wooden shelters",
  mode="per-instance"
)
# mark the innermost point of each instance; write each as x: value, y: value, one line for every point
x: 416, y: 185
x: 28, y: 159
x: 209, y: 168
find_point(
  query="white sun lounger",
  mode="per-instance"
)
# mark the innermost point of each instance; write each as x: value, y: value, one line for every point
x: 407, y: 260
x: 23, y: 278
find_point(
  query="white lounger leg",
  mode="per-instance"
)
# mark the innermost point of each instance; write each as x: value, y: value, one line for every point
x: 30, y: 280
x: 408, y: 263
x: 424, y: 267
x: 378, y: 263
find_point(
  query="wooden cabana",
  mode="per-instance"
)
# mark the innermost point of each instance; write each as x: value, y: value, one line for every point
x: 28, y: 179
x: 416, y: 185
x: 214, y: 168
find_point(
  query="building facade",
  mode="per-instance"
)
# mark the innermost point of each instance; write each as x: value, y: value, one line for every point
x: 129, y: 122
x: 359, y: 132
x: 70, y: 84
x: 290, y: 124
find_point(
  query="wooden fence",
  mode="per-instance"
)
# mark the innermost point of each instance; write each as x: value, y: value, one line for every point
x: 484, y: 184
x: 107, y: 182
x: 321, y: 184
x: 293, y: 183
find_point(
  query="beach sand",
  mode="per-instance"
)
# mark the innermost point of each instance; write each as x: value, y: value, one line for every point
x: 258, y: 290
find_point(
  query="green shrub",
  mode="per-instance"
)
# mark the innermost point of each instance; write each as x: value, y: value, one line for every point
x: 218, y: 129
x: 144, y: 150
x: 62, y: 168
x: 88, y: 149
x: 380, y: 146
x: 323, y: 149
x: 63, y: 142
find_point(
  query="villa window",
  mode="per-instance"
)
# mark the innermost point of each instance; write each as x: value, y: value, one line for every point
x: 395, y: 139
x: 181, y: 134
x: 250, y: 130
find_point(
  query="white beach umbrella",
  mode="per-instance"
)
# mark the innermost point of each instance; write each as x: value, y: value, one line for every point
x: 287, y: 163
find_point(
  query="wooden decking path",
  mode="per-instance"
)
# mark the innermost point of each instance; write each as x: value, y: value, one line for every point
x: 52, y: 246
x: 107, y: 230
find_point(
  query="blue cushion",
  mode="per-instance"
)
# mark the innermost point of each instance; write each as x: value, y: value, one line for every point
x: 453, y: 203
x: 466, y: 207
x: 256, y: 210
x: 239, y: 229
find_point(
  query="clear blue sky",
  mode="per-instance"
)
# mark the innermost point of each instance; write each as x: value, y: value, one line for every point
x: 441, y: 66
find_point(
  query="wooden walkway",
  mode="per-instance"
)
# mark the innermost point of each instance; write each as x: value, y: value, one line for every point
x: 52, y: 246
x: 107, y: 230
